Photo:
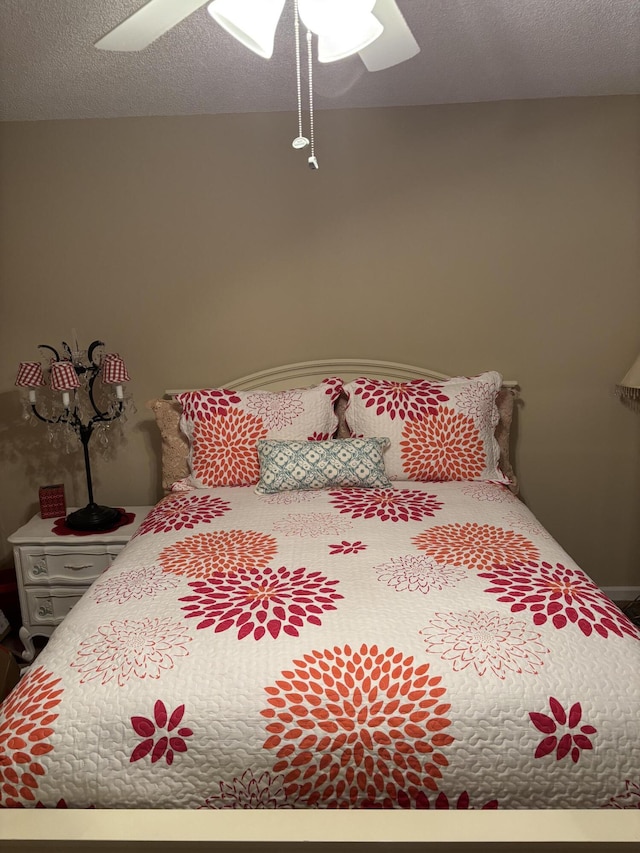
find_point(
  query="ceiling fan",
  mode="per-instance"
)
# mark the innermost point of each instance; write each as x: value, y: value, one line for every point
x: 375, y: 29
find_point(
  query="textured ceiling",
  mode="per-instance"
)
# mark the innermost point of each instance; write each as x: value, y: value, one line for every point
x: 472, y: 50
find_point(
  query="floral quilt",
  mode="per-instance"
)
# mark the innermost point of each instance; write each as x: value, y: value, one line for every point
x: 428, y: 646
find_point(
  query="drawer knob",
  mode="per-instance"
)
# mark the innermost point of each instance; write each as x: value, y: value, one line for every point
x: 78, y: 568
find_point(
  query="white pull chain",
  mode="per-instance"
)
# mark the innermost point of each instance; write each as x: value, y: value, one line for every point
x: 300, y: 141
x: 312, y: 161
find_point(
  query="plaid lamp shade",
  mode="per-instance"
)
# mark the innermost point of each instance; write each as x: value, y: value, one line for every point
x: 114, y: 371
x: 63, y: 376
x: 29, y: 375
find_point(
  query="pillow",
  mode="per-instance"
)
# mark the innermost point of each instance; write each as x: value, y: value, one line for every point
x: 337, y: 463
x: 439, y: 431
x: 175, y: 447
x: 223, y: 426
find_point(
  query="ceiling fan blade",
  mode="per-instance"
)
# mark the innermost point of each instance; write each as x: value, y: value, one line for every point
x: 395, y: 45
x: 147, y: 24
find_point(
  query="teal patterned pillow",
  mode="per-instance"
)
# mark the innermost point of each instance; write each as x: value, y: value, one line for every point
x: 338, y: 463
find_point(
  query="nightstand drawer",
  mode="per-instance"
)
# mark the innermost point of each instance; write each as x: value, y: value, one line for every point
x: 49, y: 605
x: 79, y: 565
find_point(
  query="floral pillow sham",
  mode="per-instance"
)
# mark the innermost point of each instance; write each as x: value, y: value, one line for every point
x: 439, y: 431
x: 339, y: 463
x: 223, y: 427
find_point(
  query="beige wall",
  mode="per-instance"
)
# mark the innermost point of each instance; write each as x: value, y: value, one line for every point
x: 463, y: 237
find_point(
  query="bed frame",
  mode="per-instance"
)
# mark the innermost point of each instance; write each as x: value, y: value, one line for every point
x: 316, y: 831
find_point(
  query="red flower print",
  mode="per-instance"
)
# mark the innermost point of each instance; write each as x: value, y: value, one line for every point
x: 627, y: 799
x: 223, y: 449
x: 485, y: 640
x: 259, y: 602
x: 349, y: 726
x: 386, y: 504
x: 421, y: 801
x: 131, y: 649
x: 345, y: 547
x: 26, y: 719
x: 560, y: 594
x: 404, y: 400
x: 226, y: 551
x: 474, y: 546
x: 445, y: 446
x: 213, y: 401
x: 251, y: 792
x: 179, y: 511
x: 562, y: 744
x: 319, y: 436
x: 163, y: 724
x: 61, y: 804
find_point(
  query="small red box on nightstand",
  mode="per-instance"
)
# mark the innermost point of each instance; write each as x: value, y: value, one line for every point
x: 52, y: 502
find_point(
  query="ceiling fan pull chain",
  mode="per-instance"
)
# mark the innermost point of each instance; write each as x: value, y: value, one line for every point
x: 312, y: 161
x: 300, y: 141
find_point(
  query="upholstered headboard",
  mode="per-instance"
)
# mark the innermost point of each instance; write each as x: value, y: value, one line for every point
x: 303, y: 374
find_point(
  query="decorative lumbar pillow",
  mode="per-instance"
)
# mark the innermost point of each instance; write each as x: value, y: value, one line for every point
x: 439, y: 430
x: 339, y: 463
x: 223, y: 427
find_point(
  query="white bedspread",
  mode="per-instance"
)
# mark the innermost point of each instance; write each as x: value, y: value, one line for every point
x: 426, y: 647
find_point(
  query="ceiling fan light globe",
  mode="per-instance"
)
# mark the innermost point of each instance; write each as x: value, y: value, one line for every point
x: 350, y: 39
x: 324, y: 17
x: 251, y: 22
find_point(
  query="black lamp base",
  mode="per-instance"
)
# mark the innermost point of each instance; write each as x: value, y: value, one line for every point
x: 93, y: 517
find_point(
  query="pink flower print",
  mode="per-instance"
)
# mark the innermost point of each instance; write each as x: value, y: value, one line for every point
x: 627, y: 799
x: 386, y: 504
x: 421, y: 801
x: 319, y: 436
x: 259, y: 602
x: 129, y: 649
x: 485, y: 640
x: 250, y: 792
x: 557, y: 593
x: 417, y: 572
x: 312, y: 525
x: 494, y: 492
x: 345, y: 547
x: 182, y: 511
x: 160, y: 736
x: 562, y: 743
x: 404, y: 400
x: 133, y: 584
x: 477, y: 401
x: 278, y: 409
x: 292, y: 497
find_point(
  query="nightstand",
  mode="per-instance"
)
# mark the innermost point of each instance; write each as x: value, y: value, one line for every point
x: 54, y: 572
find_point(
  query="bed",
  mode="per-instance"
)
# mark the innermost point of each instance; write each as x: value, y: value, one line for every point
x: 280, y: 634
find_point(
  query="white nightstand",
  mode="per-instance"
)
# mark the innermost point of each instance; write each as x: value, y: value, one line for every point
x: 54, y: 572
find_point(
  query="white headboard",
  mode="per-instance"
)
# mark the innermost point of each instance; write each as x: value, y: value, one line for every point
x: 305, y: 373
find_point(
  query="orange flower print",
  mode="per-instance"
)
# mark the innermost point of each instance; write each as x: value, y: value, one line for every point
x: 226, y: 551
x: 25, y: 729
x: 444, y: 446
x: 223, y: 451
x: 475, y: 546
x: 353, y: 726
